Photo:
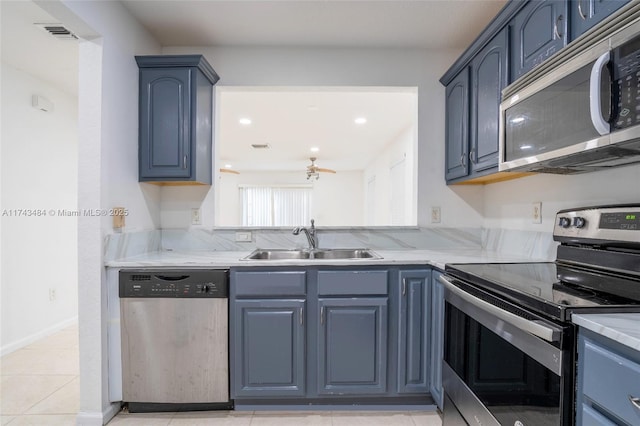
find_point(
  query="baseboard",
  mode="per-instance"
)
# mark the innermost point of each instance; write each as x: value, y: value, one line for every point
x: 85, y: 418
x: 25, y: 341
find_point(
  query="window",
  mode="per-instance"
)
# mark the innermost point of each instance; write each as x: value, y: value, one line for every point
x: 275, y: 205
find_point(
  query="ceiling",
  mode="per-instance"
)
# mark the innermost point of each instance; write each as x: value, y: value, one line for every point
x: 284, y: 120
x: 293, y: 120
x: 31, y: 49
x: 333, y: 23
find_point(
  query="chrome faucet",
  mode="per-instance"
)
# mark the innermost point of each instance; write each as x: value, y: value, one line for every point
x: 311, y: 234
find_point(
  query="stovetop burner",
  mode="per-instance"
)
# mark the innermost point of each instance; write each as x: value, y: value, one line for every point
x: 597, y: 268
x: 553, y: 289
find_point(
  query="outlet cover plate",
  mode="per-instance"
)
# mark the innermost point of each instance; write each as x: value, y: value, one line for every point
x: 435, y: 214
x: 536, y: 212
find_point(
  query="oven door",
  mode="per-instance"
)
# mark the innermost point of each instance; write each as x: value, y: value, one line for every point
x: 503, y: 365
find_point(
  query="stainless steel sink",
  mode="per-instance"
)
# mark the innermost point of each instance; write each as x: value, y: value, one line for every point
x: 345, y: 254
x: 277, y: 254
x: 283, y: 254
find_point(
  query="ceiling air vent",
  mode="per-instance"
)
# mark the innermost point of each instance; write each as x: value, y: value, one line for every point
x: 261, y: 145
x: 59, y: 31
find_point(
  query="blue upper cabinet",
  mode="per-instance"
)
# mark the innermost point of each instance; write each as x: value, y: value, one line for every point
x: 488, y: 78
x: 175, y: 119
x: 585, y: 14
x: 538, y: 31
x: 457, y: 126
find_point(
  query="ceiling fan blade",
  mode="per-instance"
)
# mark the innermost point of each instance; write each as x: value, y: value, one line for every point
x: 320, y: 169
x: 229, y: 171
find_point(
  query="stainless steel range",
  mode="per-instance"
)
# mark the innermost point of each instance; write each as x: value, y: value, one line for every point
x: 510, y: 346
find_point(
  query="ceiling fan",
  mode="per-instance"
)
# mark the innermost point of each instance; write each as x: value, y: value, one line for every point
x: 314, y: 171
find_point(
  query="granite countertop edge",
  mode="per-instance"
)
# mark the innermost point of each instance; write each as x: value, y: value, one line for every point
x: 621, y: 328
x: 226, y: 259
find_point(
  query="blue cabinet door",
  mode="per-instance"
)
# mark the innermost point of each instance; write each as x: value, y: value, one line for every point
x: 352, y: 346
x: 457, y: 126
x: 585, y: 14
x: 268, y: 348
x: 175, y: 119
x: 537, y: 32
x: 437, y: 339
x: 413, y: 351
x: 488, y: 77
x: 165, y: 131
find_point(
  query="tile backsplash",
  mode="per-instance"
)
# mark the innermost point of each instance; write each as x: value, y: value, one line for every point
x: 530, y: 244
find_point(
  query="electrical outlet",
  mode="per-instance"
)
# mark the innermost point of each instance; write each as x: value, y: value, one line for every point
x: 195, y: 217
x: 52, y: 294
x: 536, y: 212
x: 243, y: 237
x: 118, y: 217
x: 435, y: 214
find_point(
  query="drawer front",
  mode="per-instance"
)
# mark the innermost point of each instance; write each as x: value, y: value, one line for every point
x: 591, y: 417
x: 273, y: 283
x: 610, y: 379
x: 352, y: 282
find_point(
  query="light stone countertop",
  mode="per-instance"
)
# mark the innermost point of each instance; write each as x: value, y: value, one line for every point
x: 225, y: 259
x: 622, y: 328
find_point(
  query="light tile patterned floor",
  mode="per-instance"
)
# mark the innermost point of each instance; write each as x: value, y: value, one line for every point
x: 40, y: 387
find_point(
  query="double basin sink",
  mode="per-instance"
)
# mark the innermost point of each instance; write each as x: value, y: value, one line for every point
x: 284, y: 254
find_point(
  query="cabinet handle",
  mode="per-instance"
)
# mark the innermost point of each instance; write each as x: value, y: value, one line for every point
x: 463, y: 160
x: 471, y: 155
x: 322, y: 315
x: 635, y: 402
x: 184, y: 162
x: 301, y: 316
x: 580, y: 12
x: 556, y: 27
x: 404, y: 286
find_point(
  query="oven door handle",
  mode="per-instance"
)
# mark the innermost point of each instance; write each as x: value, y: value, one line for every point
x: 533, y: 327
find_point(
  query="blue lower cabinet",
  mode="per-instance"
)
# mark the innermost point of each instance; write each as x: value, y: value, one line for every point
x: 330, y: 334
x: 269, y: 348
x: 413, y: 356
x: 437, y: 339
x: 608, y: 382
x: 352, y: 346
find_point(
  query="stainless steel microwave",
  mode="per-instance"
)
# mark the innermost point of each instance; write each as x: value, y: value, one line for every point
x: 580, y: 112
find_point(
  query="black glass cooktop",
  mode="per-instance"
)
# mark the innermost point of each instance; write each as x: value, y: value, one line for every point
x: 554, y: 289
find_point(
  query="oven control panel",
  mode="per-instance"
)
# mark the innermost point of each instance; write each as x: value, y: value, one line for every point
x: 614, y: 223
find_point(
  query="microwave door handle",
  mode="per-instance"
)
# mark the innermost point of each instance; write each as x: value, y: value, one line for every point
x: 533, y: 327
x: 595, y: 105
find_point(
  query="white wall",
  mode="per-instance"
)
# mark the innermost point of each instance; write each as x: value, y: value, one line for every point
x: 461, y: 206
x: 39, y: 171
x: 400, y: 149
x: 108, y: 135
x: 508, y: 204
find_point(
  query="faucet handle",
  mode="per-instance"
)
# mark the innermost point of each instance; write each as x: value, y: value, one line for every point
x: 313, y: 223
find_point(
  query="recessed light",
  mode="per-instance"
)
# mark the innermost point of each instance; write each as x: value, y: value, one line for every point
x: 315, y: 149
x: 360, y: 120
x: 245, y: 121
x: 228, y: 166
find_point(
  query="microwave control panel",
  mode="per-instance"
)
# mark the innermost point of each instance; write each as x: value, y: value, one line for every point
x: 626, y: 83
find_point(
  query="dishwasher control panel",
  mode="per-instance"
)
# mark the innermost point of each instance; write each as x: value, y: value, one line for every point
x: 201, y: 284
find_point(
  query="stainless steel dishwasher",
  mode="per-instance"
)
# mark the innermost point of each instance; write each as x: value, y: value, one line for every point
x: 175, y: 339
